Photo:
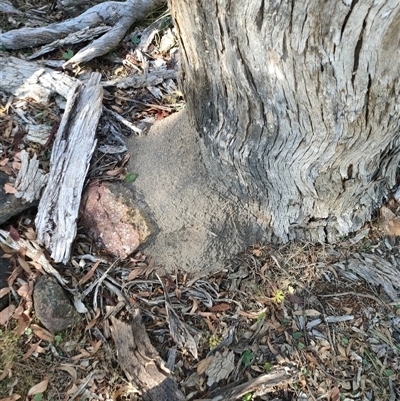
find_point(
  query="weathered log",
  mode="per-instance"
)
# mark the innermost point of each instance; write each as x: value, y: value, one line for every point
x: 72, y: 150
x: 141, y: 363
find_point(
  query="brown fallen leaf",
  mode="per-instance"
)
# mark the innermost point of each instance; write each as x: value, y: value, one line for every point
x: 31, y: 350
x: 14, y: 234
x: 39, y: 388
x: 69, y: 369
x: 335, y: 396
x: 9, y: 189
x: 4, y: 291
x: 14, y: 397
x: 204, y: 364
x: 24, y: 264
x: 42, y: 333
x: 89, y: 274
x: 6, y: 314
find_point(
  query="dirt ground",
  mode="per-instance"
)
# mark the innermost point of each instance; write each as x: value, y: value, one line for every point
x: 198, y: 228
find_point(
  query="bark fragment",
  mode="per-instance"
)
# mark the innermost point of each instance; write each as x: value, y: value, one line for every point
x: 141, y: 362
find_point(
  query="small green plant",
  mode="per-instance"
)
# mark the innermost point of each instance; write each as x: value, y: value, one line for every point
x: 300, y: 345
x: 135, y: 39
x: 67, y: 55
x: 214, y: 340
x: 130, y: 177
x: 38, y: 397
x: 267, y: 367
x: 247, y: 397
x: 247, y: 358
x: 345, y: 341
x: 278, y: 297
x: 296, y: 335
x: 260, y: 317
x: 57, y: 339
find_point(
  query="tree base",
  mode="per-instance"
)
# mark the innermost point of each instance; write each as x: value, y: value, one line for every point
x: 198, y: 227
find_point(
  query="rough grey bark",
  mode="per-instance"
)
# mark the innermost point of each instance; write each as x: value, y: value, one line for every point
x: 297, y: 103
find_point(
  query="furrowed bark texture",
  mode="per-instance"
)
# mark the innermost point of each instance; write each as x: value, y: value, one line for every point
x: 297, y: 103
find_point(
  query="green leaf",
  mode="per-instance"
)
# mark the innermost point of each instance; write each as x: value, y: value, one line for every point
x: 68, y: 54
x: 130, y: 177
x: 58, y: 338
x: 135, y: 39
x: 296, y: 335
x: 389, y: 372
x: 247, y: 358
x: 284, y: 322
x: 38, y: 397
x: 300, y: 345
x: 247, y: 397
x: 345, y: 341
x: 267, y: 367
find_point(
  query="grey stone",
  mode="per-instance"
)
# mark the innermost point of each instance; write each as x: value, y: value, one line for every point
x: 52, y: 305
x: 11, y: 206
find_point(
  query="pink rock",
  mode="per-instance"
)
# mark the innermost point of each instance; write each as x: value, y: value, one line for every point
x: 114, y: 225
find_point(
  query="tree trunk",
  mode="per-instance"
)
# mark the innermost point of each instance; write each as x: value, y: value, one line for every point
x: 297, y: 105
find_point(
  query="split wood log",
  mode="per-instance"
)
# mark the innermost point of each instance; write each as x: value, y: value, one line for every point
x: 259, y: 386
x: 72, y: 150
x: 121, y: 15
x: 141, y: 363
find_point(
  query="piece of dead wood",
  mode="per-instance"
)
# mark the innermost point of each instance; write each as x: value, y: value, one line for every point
x: 120, y: 15
x: 141, y: 363
x: 7, y: 8
x: 259, y: 386
x: 139, y: 81
x: 72, y: 150
x: 83, y: 35
x: 31, y: 79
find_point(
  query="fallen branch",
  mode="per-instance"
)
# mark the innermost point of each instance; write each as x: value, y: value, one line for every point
x: 257, y: 387
x: 120, y: 15
x: 70, y: 158
x: 140, y: 81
